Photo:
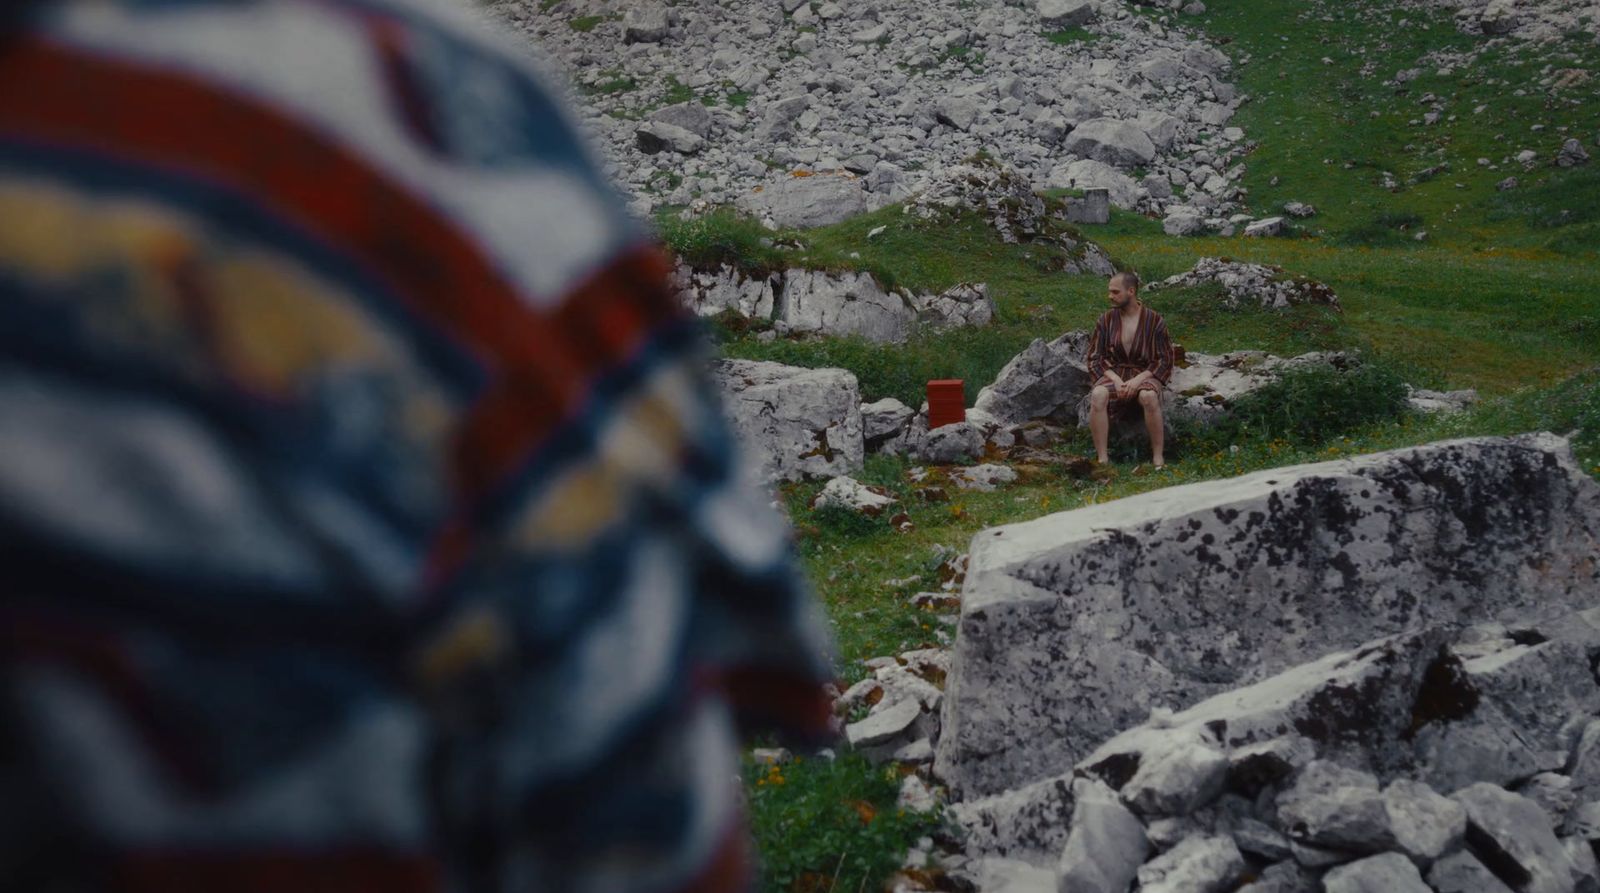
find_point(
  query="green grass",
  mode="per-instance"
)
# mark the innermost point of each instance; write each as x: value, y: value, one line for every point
x: 612, y: 82
x: 676, y: 91
x: 1068, y: 36
x: 585, y: 24
x: 1327, y: 132
x: 830, y: 825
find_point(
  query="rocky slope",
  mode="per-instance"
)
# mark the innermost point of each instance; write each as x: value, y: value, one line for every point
x: 707, y: 100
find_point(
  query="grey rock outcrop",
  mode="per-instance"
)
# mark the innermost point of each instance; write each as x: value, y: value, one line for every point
x: 1518, y: 833
x: 883, y: 421
x: 1571, y: 154
x: 1114, y: 142
x: 1045, y: 381
x: 851, y: 495
x: 1461, y: 872
x: 660, y: 136
x: 951, y: 443
x: 1030, y: 824
x: 1197, y: 865
x: 1106, y: 844
x: 646, y: 24
x: 843, y: 304
x: 709, y: 292
x: 1252, y: 284
x: 1066, y: 13
x: 1386, y: 873
x: 817, y: 302
x: 1086, y: 174
x: 1277, y: 568
x: 891, y: 91
x: 802, y: 202
x: 794, y: 423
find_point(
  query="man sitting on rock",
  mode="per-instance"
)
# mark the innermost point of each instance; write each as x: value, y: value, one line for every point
x: 1130, y: 358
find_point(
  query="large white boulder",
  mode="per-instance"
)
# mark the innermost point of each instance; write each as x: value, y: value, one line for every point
x: 794, y: 423
x: 1074, y: 624
x: 843, y: 304
x: 1086, y: 173
x: 1046, y: 381
x: 710, y: 292
x: 801, y: 202
x: 1066, y: 13
x: 1114, y: 142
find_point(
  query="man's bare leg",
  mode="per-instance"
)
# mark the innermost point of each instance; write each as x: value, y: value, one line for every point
x: 1155, y: 425
x: 1099, y: 422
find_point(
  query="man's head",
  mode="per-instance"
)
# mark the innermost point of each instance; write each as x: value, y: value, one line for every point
x: 1123, y: 289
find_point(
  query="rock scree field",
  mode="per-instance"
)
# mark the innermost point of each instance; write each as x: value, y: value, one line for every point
x: 863, y: 197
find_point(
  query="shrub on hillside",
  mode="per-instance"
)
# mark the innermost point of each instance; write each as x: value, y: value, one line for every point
x: 1389, y: 228
x: 721, y: 237
x: 1309, y: 406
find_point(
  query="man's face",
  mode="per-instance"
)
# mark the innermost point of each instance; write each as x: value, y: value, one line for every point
x: 1119, y: 294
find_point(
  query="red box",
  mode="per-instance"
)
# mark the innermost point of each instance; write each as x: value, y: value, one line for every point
x: 947, y: 402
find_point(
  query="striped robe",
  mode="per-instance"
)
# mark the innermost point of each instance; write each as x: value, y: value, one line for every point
x: 367, y: 520
x: 1151, y: 350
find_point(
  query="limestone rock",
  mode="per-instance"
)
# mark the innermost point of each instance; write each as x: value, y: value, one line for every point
x: 1571, y: 154
x: 1059, y: 14
x: 915, y: 795
x: 659, y: 136
x: 1518, y: 833
x: 803, y: 202
x: 777, y: 122
x: 1387, y: 873
x: 1349, y: 817
x: 1045, y: 381
x: 1198, y: 865
x: 842, y: 304
x: 1029, y: 824
x: 1246, y: 283
x: 1111, y: 141
x: 1086, y: 173
x: 960, y: 112
x: 1461, y: 872
x: 985, y: 478
x: 1176, y: 781
x: 1423, y: 400
x: 1283, y: 877
x: 795, y: 423
x: 963, y: 304
x: 691, y: 116
x: 1091, y: 208
x: 883, y: 725
x: 883, y: 420
x: 1267, y: 226
x: 853, y: 496
x: 645, y: 24
x: 1426, y: 825
x: 709, y: 292
x: 1106, y: 844
x: 1277, y: 568
x: 951, y: 443
x: 1553, y: 792
x: 1183, y: 221
x: 1524, y: 694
